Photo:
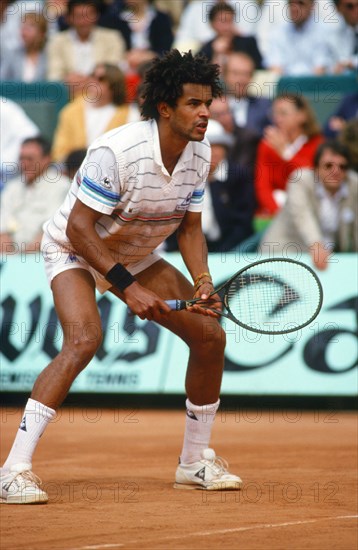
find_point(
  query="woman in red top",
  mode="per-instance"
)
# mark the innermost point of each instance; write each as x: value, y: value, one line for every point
x: 290, y: 143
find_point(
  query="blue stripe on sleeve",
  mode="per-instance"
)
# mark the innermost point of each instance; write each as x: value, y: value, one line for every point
x: 96, y: 189
x: 197, y: 197
x: 97, y: 198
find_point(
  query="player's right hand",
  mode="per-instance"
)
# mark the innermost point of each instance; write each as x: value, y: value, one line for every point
x: 145, y: 303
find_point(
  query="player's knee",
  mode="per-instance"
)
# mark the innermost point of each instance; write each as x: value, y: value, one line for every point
x: 82, y: 349
x: 213, y: 337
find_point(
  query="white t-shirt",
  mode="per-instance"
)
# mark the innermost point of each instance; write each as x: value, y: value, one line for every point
x: 124, y: 178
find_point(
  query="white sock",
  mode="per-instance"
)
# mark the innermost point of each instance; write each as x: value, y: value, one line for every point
x: 35, y: 419
x: 199, y: 422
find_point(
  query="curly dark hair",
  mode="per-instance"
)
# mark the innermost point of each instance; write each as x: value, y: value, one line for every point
x: 165, y: 77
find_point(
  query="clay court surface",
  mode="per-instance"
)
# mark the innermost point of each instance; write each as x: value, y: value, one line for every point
x: 109, y: 475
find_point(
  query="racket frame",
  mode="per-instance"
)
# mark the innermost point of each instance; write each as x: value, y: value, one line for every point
x: 184, y: 304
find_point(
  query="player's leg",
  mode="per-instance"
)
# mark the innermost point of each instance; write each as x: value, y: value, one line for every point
x: 203, y: 335
x: 205, y: 338
x: 74, y: 298
x: 76, y: 307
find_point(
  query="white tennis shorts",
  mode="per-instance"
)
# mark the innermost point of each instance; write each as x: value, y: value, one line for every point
x: 58, y: 259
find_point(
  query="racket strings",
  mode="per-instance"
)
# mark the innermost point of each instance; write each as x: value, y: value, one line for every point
x: 262, y: 298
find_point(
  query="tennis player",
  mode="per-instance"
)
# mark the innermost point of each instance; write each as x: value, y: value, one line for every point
x: 136, y: 186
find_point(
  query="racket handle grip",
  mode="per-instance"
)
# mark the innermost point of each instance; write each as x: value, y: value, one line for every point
x: 176, y: 305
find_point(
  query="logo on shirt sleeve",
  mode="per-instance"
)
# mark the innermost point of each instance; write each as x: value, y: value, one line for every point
x: 106, y: 182
x: 185, y: 203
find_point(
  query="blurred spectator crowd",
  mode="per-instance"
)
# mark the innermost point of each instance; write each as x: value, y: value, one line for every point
x: 279, y: 174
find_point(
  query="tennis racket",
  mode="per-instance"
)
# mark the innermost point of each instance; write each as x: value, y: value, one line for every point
x: 271, y: 296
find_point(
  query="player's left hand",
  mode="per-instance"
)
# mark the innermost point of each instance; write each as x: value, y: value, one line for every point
x: 212, y: 302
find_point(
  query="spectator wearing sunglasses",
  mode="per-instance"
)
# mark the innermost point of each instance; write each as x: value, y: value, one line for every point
x: 320, y: 215
x: 299, y: 46
x: 89, y: 115
x: 344, y: 38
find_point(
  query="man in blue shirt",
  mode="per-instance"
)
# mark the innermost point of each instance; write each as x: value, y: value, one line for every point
x: 299, y: 46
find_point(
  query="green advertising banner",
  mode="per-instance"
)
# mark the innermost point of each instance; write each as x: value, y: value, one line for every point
x: 140, y: 357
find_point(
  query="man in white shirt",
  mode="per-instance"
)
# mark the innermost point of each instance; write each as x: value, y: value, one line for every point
x: 137, y: 184
x: 275, y: 12
x: 300, y: 45
x: 29, y: 199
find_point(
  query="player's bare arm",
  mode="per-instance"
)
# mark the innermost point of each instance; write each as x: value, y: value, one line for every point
x: 83, y: 235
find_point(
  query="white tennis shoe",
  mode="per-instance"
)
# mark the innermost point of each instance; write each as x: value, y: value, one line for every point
x: 21, y: 486
x: 210, y: 474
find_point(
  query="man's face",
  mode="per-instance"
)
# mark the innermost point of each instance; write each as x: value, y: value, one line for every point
x: 83, y: 18
x: 224, y: 24
x: 32, y: 161
x: 300, y: 10
x: 349, y: 10
x: 332, y: 170
x: 238, y: 75
x: 220, y: 111
x: 189, y: 118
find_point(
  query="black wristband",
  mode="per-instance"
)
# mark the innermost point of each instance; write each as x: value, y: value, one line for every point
x: 120, y: 277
